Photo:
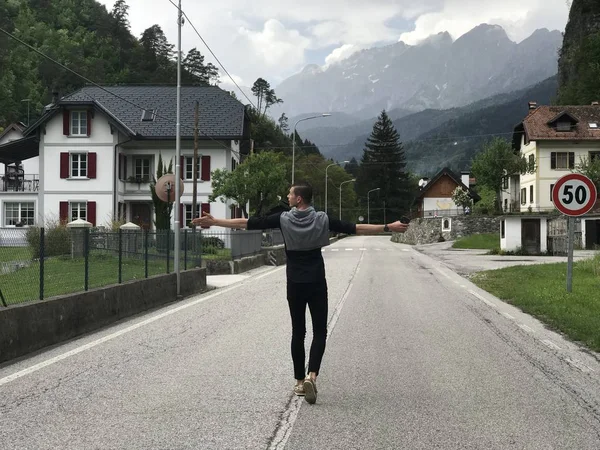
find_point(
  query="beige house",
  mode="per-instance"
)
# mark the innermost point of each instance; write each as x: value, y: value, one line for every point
x: 557, y: 139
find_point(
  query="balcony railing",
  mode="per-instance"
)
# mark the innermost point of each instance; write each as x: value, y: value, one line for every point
x: 20, y: 183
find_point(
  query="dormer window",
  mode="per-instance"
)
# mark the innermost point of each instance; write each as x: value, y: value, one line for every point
x: 79, y: 123
x: 148, y: 115
x: 564, y: 122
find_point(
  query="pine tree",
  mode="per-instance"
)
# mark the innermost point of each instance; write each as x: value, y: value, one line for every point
x: 383, y: 166
x: 199, y: 72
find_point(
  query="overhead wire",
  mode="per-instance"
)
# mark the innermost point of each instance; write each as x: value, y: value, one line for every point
x: 212, y: 53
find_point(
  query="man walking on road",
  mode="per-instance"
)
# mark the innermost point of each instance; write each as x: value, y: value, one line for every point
x: 305, y: 231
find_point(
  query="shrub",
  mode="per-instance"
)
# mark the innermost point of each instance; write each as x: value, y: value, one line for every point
x: 211, y: 245
x: 57, y: 240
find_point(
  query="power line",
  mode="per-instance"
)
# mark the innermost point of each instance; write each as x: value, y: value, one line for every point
x: 106, y: 90
x: 212, y: 53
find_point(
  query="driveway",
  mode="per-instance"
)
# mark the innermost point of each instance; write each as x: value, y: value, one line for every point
x: 466, y: 262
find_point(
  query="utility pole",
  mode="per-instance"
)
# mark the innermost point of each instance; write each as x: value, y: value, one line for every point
x: 195, y: 162
x: 177, y: 219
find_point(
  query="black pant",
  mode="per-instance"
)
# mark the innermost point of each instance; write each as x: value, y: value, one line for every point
x: 315, y: 296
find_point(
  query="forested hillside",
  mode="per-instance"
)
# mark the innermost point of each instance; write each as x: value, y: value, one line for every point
x: 87, y: 38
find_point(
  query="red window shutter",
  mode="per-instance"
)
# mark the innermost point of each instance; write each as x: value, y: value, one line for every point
x: 91, y: 213
x: 66, y: 122
x: 205, y: 208
x: 64, y: 165
x: 181, y: 215
x: 205, y: 176
x: 63, y: 212
x: 181, y: 167
x: 91, y: 165
x: 89, y: 122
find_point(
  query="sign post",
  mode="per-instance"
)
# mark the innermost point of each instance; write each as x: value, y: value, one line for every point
x: 573, y: 195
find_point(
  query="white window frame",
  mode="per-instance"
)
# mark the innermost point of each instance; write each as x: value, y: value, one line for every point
x: 20, y: 213
x: 78, y: 125
x: 449, y: 227
x: 77, y: 204
x: 142, y: 159
x: 187, y: 213
x: 188, y: 162
x: 81, y: 160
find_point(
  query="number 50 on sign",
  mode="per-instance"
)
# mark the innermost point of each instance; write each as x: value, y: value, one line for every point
x: 574, y: 195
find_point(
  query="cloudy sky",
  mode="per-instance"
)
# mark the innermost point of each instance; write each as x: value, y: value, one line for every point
x: 275, y: 39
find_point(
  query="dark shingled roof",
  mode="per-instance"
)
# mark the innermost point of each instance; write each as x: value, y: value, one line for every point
x: 220, y: 115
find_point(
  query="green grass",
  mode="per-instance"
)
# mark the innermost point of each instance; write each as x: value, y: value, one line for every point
x: 63, y: 275
x: 540, y: 290
x: 484, y: 241
x: 14, y: 254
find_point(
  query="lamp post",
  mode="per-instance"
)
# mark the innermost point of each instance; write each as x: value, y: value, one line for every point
x: 28, y: 100
x: 369, y: 206
x: 326, y: 168
x: 294, y: 140
x: 344, y: 182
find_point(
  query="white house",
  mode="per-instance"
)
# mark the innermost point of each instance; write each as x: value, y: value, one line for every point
x: 99, y: 150
x: 556, y: 139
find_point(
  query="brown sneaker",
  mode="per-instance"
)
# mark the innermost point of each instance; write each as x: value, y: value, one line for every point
x: 310, y: 391
x: 299, y: 390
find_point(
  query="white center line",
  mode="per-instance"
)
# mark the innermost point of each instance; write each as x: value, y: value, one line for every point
x: 335, y: 249
x: 349, y: 249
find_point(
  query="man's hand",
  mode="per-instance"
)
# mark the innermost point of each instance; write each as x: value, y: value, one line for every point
x: 205, y: 221
x: 398, y: 227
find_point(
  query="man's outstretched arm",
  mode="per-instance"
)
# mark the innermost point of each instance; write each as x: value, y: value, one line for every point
x: 365, y: 229
x: 209, y: 221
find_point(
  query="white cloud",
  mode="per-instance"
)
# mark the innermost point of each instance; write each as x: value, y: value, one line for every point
x: 519, y: 18
x: 341, y: 53
x: 270, y: 39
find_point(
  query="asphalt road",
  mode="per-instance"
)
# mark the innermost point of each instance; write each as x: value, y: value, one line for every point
x: 417, y: 358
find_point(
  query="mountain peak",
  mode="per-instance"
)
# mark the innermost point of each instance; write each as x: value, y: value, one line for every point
x: 485, y: 31
x: 311, y: 69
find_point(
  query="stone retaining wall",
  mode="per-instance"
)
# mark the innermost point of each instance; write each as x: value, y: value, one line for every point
x: 430, y: 230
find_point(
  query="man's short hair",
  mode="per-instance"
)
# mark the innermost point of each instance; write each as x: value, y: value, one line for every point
x: 304, y: 190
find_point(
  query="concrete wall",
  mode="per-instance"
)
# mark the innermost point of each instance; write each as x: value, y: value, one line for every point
x: 35, y: 325
x: 428, y: 231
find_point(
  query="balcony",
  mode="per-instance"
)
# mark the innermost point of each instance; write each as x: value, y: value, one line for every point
x: 16, y: 182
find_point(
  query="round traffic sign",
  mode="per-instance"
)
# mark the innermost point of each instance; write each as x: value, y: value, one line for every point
x: 574, y: 194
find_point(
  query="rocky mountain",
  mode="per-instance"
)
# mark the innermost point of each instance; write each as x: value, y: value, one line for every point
x: 437, y: 138
x: 437, y: 73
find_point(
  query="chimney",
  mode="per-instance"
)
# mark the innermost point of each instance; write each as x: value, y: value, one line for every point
x: 533, y: 105
x: 55, y: 97
x: 464, y: 177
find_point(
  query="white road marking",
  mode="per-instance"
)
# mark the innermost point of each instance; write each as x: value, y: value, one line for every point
x: 405, y: 250
x: 335, y: 249
x: 579, y: 365
x: 289, y: 416
x: 110, y: 337
x: 508, y: 316
x: 362, y: 248
x: 549, y: 343
x: 482, y: 298
x: 378, y: 249
x: 526, y: 328
x: 349, y: 249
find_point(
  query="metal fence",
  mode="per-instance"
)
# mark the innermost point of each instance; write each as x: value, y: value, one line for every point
x: 37, y: 263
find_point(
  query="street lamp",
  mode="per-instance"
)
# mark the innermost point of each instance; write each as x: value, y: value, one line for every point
x: 369, y: 206
x: 335, y: 164
x: 294, y: 140
x: 28, y: 100
x: 344, y: 182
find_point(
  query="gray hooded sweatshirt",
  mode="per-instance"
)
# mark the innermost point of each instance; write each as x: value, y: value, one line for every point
x: 304, y: 229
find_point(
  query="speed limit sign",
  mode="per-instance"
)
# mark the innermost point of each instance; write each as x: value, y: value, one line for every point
x: 574, y: 194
